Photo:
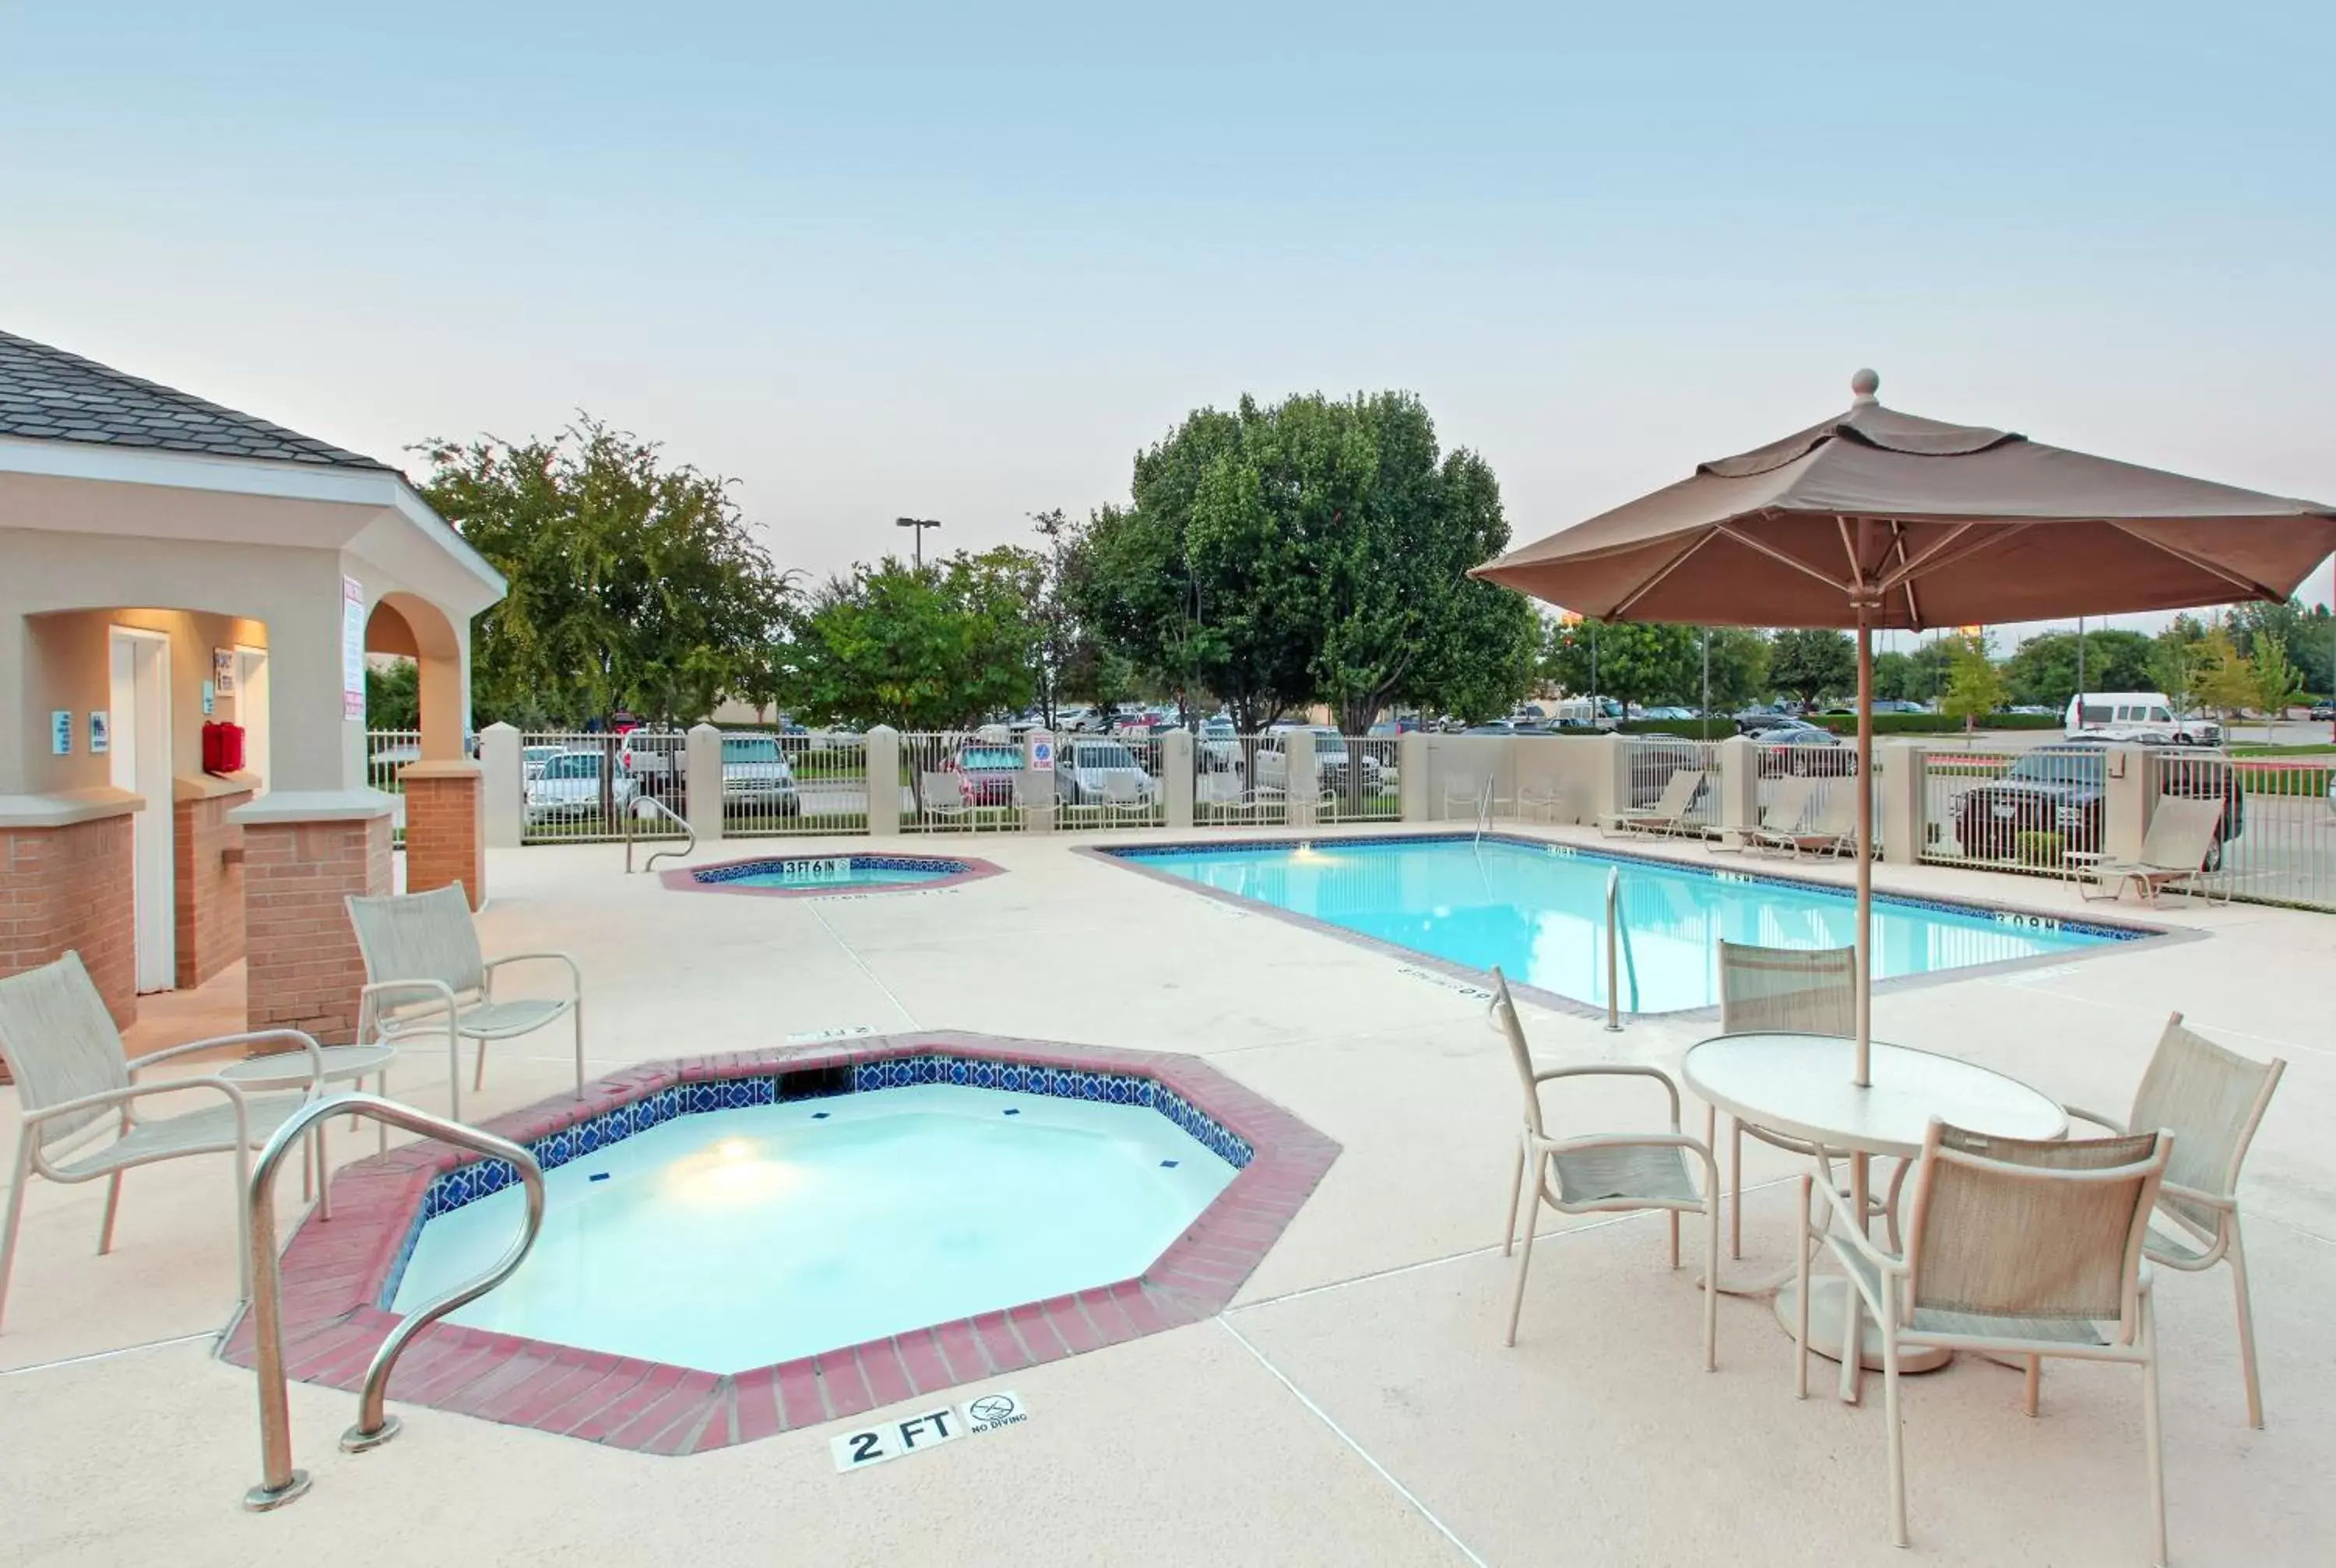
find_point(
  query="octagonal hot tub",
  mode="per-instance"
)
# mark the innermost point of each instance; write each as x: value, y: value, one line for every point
x: 772, y: 1240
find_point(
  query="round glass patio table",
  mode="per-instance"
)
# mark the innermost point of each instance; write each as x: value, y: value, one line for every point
x: 1800, y: 1086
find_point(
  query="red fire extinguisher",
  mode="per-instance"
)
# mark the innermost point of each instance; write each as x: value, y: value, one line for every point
x: 222, y: 747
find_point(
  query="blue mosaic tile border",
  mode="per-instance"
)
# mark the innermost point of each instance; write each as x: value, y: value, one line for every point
x: 937, y: 865
x: 1967, y: 908
x: 479, y: 1178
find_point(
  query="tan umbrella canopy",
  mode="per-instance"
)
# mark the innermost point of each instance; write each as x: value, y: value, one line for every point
x: 1875, y: 518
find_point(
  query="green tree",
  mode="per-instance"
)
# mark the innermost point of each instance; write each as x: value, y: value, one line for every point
x: 635, y: 583
x: 1739, y: 668
x: 394, y: 695
x: 1637, y: 662
x: 2277, y: 683
x: 2043, y: 669
x: 943, y: 647
x: 1812, y: 663
x: 2221, y: 679
x: 1927, y: 669
x: 2174, y: 657
x: 1893, y: 673
x: 2307, y: 638
x: 1975, y: 686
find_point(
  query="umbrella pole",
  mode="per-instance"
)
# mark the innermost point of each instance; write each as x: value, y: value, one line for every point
x: 1864, y: 1073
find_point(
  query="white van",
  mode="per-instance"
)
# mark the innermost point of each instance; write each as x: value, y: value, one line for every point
x: 2142, y: 715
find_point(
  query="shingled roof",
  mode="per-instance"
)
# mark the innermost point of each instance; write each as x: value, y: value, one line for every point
x: 49, y: 395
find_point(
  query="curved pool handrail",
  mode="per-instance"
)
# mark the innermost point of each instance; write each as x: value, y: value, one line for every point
x: 281, y: 1483
x: 658, y: 808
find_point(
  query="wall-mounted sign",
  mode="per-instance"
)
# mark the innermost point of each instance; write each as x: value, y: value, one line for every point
x: 1038, y: 751
x: 223, y: 670
x: 353, y: 664
x: 61, y: 727
x: 210, y: 698
x: 101, y: 732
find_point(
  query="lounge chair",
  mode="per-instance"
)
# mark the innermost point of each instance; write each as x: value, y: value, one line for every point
x: 2013, y: 1249
x: 940, y: 798
x: 1617, y: 1173
x: 425, y: 975
x: 2211, y: 1100
x: 74, y: 1083
x: 1780, y: 818
x: 1666, y: 815
x: 1833, y: 832
x: 2181, y: 838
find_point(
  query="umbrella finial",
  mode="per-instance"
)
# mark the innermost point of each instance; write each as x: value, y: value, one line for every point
x: 1864, y: 384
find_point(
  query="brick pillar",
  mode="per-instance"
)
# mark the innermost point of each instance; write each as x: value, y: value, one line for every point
x: 445, y: 827
x: 208, y: 886
x: 304, y: 971
x: 67, y: 886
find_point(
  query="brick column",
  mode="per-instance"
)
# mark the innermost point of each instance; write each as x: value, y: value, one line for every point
x: 445, y: 827
x: 66, y: 886
x: 208, y: 885
x: 302, y: 970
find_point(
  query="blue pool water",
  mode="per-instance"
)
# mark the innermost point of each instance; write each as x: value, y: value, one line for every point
x: 1538, y: 912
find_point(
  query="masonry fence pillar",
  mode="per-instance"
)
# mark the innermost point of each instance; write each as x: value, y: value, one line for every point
x: 1303, y: 783
x: 1905, y: 819
x: 1610, y: 793
x: 505, y: 785
x: 303, y: 855
x: 445, y: 827
x: 1411, y: 776
x: 706, y: 783
x: 1739, y: 789
x: 2126, y: 801
x: 1176, y: 777
x: 883, y: 755
x: 66, y: 873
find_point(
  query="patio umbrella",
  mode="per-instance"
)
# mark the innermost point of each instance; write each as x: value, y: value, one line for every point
x: 1878, y: 519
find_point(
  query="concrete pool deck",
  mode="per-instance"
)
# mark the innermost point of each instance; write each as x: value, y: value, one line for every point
x: 1355, y: 1403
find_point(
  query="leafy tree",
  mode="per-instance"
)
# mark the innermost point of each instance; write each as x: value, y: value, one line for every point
x: 2277, y: 683
x: 941, y: 648
x: 2174, y: 657
x: 1637, y: 662
x: 394, y: 695
x: 634, y: 583
x: 1927, y: 669
x: 2043, y: 668
x: 1975, y: 686
x: 1893, y: 673
x: 1739, y: 668
x: 1811, y: 663
x: 2221, y: 679
x: 2307, y: 638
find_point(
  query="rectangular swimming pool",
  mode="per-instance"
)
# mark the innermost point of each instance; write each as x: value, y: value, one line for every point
x: 1538, y: 911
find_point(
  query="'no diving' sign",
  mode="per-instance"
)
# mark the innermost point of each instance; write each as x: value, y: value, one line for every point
x: 916, y: 1434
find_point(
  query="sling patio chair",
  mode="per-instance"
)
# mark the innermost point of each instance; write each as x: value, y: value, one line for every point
x: 2180, y: 840
x: 1616, y: 1173
x: 424, y: 975
x: 1669, y: 814
x: 940, y: 798
x: 1834, y: 832
x: 2014, y: 1248
x: 74, y: 1083
x: 1127, y: 798
x: 1783, y: 990
x: 2211, y: 1100
x: 1779, y: 819
x: 1545, y: 801
x: 1467, y: 799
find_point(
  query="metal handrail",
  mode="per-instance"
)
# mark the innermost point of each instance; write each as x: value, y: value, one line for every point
x: 1484, y: 808
x: 657, y: 807
x: 1618, y: 938
x: 281, y: 1483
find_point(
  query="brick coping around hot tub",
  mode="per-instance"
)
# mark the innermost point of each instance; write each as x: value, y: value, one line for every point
x: 721, y: 877
x: 336, y: 1272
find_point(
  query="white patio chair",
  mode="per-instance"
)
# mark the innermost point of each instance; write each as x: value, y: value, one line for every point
x: 1779, y: 819
x: 2211, y: 1100
x: 1783, y: 990
x: 1125, y: 799
x: 1833, y: 832
x: 1605, y: 1172
x: 940, y: 798
x: 424, y: 974
x: 1544, y: 800
x: 1666, y: 815
x: 74, y: 1083
x: 2181, y: 836
x: 1464, y: 797
x: 2014, y: 1248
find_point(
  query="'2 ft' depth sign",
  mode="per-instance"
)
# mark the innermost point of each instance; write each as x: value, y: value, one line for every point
x: 915, y: 1433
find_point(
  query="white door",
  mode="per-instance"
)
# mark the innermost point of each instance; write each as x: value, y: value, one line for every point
x: 140, y: 754
x: 251, y: 710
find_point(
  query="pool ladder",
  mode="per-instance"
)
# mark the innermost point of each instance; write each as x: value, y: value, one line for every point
x: 659, y: 809
x: 1618, y: 954
x: 281, y: 1483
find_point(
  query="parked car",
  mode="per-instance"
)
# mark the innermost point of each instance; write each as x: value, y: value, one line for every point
x: 1332, y: 758
x: 987, y: 771
x: 2060, y: 789
x: 1804, y: 751
x: 1218, y: 748
x: 1082, y: 766
x: 568, y: 786
x: 653, y: 759
x: 1752, y: 720
x: 755, y: 773
x: 2324, y: 712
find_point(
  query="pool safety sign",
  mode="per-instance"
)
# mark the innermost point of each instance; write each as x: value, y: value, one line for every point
x: 830, y: 869
x: 916, y: 1434
x: 1038, y: 751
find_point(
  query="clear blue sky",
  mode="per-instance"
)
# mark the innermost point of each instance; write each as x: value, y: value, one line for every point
x: 961, y: 262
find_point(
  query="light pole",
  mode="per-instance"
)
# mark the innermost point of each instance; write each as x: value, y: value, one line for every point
x: 919, y: 525
x: 1706, y: 684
